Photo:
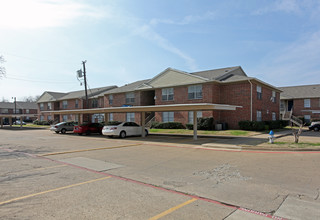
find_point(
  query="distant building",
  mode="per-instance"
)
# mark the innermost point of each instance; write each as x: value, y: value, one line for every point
x: 50, y: 101
x: 301, y: 101
x: 21, y: 108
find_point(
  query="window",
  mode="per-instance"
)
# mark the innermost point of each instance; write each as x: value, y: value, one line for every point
x: 49, y: 117
x: 307, y: 118
x: 94, y: 103
x: 282, y: 105
x: 195, y: 92
x: 65, y: 117
x: 41, y: 106
x: 27, y: 111
x: 41, y: 118
x: 167, y: 94
x: 76, y: 104
x: 110, y: 116
x: 167, y: 116
x: 273, y: 96
x: 259, y: 116
x: 130, y: 97
x: 307, y: 103
x: 130, y: 117
x: 190, y: 116
x: 49, y: 106
x: 274, y: 116
x: 110, y: 99
x: 259, y: 92
x: 65, y: 104
x: 18, y: 111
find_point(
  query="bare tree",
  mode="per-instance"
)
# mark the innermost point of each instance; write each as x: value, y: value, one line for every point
x: 2, y: 69
x: 30, y: 98
x: 4, y: 99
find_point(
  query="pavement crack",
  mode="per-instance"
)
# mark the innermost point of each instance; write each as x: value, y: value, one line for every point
x: 230, y: 214
x: 317, y: 196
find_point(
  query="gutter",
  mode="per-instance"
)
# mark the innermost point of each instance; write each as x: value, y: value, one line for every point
x: 250, y: 100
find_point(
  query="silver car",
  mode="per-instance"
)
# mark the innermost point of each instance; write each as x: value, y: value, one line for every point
x: 63, y: 127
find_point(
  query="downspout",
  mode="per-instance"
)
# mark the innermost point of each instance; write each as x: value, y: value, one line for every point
x: 250, y: 100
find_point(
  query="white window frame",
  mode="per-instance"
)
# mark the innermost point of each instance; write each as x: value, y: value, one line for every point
x: 65, y: 104
x: 259, y: 115
x: 130, y: 97
x: 41, y: 106
x: 274, y: 116
x: 195, y: 92
x: 41, y: 118
x: 49, y: 105
x: 49, y: 117
x: 130, y: 117
x: 307, y: 118
x: 64, y: 117
x: 27, y: 111
x: 167, y: 94
x: 190, y: 116
x: 274, y: 96
x: 110, y: 99
x: 259, y: 92
x: 110, y: 116
x: 307, y: 103
x: 94, y: 103
x: 76, y: 105
x: 167, y: 116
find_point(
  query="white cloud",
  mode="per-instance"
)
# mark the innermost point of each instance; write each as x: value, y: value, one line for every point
x: 147, y: 32
x: 288, y: 6
x: 189, y: 19
x: 38, y: 13
x: 297, y: 63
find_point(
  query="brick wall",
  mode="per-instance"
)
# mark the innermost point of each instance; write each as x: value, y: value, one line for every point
x: 298, y: 108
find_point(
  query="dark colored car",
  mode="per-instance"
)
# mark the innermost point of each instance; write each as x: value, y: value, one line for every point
x: 315, y: 126
x: 88, y: 128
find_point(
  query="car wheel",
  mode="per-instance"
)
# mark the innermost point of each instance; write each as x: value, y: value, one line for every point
x: 80, y: 134
x: 110, y: 136
x: 57, y: 132
x: 316, y: 129
x: 88, y: 133
x: 63, y: 131
x: 123, y: 134
x: 146, y: 133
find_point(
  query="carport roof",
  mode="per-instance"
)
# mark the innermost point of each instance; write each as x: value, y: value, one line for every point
x: 151, y: 108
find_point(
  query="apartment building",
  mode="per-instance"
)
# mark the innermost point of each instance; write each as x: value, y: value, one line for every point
x: 301, y: 101
x: 20, y: 108
x: 51, y: 101
x: 258, y: 100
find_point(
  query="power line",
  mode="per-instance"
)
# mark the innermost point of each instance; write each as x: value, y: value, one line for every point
x: 40, y: 81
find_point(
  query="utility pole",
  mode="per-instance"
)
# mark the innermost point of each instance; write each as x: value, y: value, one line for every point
x: 85, y: 82
x: 15, y: 109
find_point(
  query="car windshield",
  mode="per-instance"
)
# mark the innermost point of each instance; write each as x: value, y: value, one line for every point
x: 110, y: 123
x: 61, y: 123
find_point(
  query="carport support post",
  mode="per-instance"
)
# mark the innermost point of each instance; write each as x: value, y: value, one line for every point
x: 10, y: 121
x: 106, y: 118
x: 195, y: 125
x: 143, y: 123
x: 20, y: 122
x: 1, y: 119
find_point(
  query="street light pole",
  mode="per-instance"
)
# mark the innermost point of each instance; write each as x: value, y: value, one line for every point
x: 15, y: 109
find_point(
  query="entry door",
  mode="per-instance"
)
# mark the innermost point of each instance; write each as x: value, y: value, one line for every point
x: 290, y: 105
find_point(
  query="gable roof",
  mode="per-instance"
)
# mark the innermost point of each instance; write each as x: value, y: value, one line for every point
x: 81, y: 93
x: 127, y: 87
x: 19, y: 105
x: 220, y: 74
x: 298, y: 92
x: 50, y: 96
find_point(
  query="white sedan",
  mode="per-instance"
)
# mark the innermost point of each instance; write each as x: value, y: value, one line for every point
x: 124, y: 129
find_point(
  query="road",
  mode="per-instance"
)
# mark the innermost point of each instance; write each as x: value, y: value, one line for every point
x: 44, y: 175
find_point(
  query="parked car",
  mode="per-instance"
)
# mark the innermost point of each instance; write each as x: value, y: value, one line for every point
x: 88, y: 128
x: 124, y: 129
x: 63, y: 127
x: 315, y: 126
x: 18, y: 122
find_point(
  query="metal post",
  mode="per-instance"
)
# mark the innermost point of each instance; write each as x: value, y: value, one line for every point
x: 10, y: 121
x: 195, y: 125
x: 85, y: 82
x: 1, y: 119
x: 143, y: 123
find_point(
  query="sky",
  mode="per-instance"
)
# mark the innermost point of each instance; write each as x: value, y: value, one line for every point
x: 44, y: 42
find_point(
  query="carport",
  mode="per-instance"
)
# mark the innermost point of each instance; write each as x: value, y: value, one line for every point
x: 10, y: 116
x: 153, y: 108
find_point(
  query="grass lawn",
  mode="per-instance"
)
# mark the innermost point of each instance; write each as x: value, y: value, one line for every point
x: 297, y: 145
x: 200, y: 132
x: 32, y: 126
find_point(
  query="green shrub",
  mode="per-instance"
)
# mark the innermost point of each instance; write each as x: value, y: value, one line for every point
x: 112, y: 123
x: 169, y: 125
x: 154, y: 124
x: 205, y: 123
x: 189, y: 126
x: 262, y: 125
x: 245, y: 125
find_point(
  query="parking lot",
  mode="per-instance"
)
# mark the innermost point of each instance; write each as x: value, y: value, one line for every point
x: 52, y: 176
